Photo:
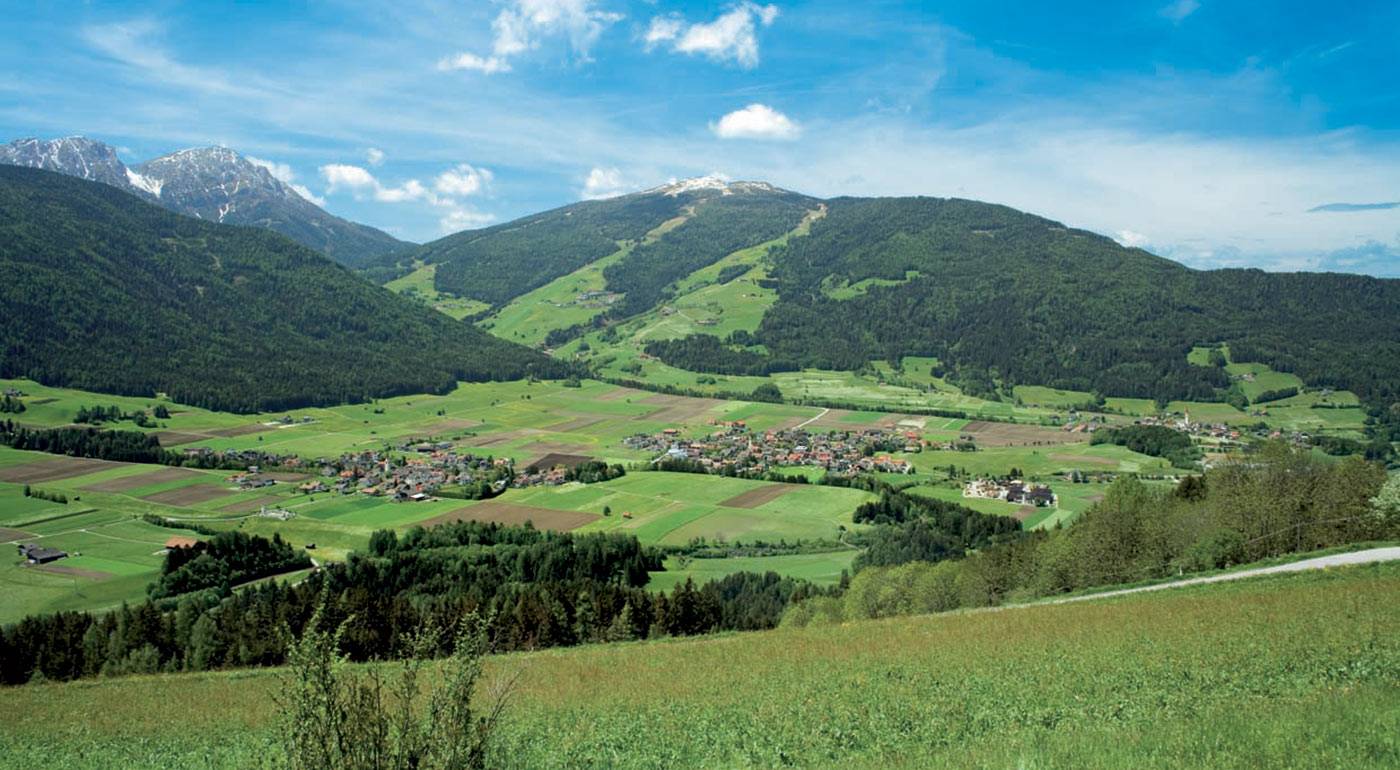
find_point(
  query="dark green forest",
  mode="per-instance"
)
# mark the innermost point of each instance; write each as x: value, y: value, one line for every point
x: 103, y: 292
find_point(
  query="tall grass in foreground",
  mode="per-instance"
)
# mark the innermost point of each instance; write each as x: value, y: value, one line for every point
x: 1297, y: 670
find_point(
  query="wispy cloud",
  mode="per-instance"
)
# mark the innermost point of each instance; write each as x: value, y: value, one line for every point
x: 1178, y: 10
x: 1354, y: 207
x: 730, y: 37
x: 522, y: 25
x: 756, y: 121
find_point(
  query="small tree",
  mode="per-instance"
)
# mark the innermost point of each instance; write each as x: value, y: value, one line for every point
x: 389, y: 717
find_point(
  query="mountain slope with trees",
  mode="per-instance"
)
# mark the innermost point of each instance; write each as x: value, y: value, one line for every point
x: 101, y: 291
x: 1002, y: 298
x: 709, y: 220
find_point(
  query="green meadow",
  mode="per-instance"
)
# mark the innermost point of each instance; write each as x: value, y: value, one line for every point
x: 1189, y: 677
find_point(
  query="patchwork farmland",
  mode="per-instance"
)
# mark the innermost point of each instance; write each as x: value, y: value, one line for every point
x: 542, y: 424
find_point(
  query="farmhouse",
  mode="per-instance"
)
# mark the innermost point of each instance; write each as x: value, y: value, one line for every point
x: 1011, y: 491
x: 178, y: 541
x: 38, y: 554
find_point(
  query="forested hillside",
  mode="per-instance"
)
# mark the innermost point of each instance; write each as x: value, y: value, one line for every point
x: 1003, y: 298
x: 499, y: 263
x: 101, y: 291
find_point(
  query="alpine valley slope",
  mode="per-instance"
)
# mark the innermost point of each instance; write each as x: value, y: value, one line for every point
x: 998, y: 297
x: 101, y: 291
x: 213, y: 183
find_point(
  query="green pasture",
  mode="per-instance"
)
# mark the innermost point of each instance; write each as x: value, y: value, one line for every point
x: 819, y: 568
x: 674, y: 508
x: 1043, y: 462
x: 1291, y: 671
x: 419, y: 285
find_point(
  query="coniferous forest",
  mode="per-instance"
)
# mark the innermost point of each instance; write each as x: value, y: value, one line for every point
x: 101, y: 291
x: 997, y: 294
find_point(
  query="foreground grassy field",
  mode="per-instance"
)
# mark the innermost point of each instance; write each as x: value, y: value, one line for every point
x: 1290, y: 671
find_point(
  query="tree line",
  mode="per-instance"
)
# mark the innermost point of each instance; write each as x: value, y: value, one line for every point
x: 1276, y: 501
x: 539, y: 589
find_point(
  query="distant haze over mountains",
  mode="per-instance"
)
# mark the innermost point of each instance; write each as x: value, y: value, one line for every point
x: 212, y: 183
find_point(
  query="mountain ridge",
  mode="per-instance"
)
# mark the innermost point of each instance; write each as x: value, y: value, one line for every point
x: 211, y: 183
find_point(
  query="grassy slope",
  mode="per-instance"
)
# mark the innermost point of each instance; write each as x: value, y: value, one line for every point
x: 1296, y: 671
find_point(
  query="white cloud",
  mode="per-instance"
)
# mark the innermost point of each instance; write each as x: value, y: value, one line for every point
x: 1131, y: 239
x: 604, y: 183
x: 1179, y: 10
x: 756, y: 121
x: 463, y: 180
x: 488, y: 65
x: 375, y: 156
x: 362, y: 182
x: 523, y: 24
x: 664, y: 28
x: 731, y: 37
x: 283, y: 173
x: 306, y: 193
x: 354, y: 177
x: 464, y: 219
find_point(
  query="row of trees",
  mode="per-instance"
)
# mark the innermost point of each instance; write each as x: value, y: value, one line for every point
x: 223, y: 561
x: 539, y: 589
x: 1279, y: 500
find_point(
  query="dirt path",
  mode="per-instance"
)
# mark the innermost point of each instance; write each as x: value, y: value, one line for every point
x: 1336, y: 560
x: 824, y: 413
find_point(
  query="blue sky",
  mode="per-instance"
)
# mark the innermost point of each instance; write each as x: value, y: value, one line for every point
x: 1261, y: 134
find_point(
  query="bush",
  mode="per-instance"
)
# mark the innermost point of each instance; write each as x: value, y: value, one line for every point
x: 333, y: 716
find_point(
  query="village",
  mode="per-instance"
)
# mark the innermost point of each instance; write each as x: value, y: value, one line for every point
x: 733, y: 447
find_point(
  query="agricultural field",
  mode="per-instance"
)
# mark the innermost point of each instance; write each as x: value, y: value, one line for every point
x: 1184, y: 678
x: 532, y: 423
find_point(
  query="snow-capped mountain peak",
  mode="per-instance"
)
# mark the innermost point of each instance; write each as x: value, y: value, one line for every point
x: 710, y: 182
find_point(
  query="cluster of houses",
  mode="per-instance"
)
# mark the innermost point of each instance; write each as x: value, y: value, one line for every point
x: 252, y: 479
x: 549, y: 478
x: 596, y: 298
x: 1012, y: 491
x: 411, y: 479
x: 13, y: 393
x: 733, y: 446
x: 1184, y: 424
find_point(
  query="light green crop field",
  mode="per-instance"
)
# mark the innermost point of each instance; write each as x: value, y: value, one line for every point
x: 1043, y: 462
x: 675, y: 508
x: 819, y: 568
x: 1295, y: 671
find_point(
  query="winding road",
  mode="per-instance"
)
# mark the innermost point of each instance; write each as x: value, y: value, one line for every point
x: 1335, y: 560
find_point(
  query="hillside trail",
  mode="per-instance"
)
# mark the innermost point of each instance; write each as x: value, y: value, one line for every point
x: 1370, y: 556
